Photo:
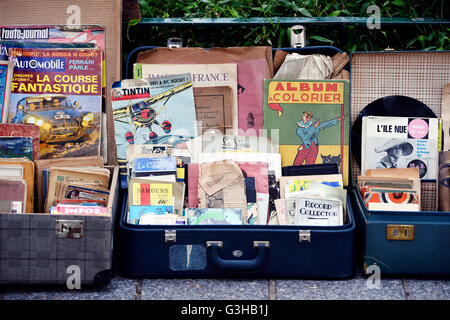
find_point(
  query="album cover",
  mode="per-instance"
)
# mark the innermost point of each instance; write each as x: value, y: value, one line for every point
x: 400, y: 142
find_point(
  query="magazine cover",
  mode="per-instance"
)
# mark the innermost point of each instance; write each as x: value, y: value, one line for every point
x: 400, y: 142
x: 161, y: 111
x: 55, y: 36
x: 6, y: 72
x: 310, y: 119
x: 60, y: 91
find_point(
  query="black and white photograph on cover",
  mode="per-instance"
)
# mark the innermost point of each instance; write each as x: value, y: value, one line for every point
x: 394, y: 149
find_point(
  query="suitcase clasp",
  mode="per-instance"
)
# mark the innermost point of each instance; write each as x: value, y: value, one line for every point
x: 69, y: 229
x: 298, y: 36
x: 399, y: 232
x: 304, y: 235
x: 170, y: 235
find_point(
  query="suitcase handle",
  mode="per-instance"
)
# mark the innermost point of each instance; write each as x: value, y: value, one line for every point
x: 262, y: 248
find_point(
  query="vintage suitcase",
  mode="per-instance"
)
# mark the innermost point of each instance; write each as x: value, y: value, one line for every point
x: 401, y: 243
x: 42, y: 248
x: 236, y: 251
x: 33, y: 250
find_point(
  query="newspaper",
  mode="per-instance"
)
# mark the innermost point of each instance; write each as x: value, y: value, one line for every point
x: 297, y: 66
x: 221, y: 185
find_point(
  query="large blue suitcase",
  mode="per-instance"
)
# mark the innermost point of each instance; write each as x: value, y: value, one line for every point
x: 237, y: 251
x: 401, y: 243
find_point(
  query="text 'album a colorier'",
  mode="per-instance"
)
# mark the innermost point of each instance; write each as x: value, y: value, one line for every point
x: 311, y: 120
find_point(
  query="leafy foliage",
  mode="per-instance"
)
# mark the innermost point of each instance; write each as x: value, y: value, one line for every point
x: 350, y: 38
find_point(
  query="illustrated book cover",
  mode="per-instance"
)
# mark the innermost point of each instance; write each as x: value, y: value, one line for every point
x: 29, y: 131
x: 60, y: 91
x: 203, y: 75
x: 400, y: 142
x: 161, y: 111
x: 6, y: 73
x: 310, y: 119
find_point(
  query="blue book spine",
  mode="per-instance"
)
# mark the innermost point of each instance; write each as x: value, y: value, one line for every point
x: 157, y: 164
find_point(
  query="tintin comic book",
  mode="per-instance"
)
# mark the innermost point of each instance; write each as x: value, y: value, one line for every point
x: 310, y: 120
x: 161, y: 111
x: 59, y: 90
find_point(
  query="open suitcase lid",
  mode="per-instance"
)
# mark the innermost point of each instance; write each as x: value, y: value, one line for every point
x: 421, y: 75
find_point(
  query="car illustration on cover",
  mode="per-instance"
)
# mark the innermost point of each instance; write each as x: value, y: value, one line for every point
x: 59, y: 119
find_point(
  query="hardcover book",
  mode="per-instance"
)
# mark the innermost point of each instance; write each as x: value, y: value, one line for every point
x: 59, y: 90
x: 400, y: 142
x: 310, y: 118
x: 16, y: 147
x: 23, y: 130
x: 6, y: 73
x: 203, y: 75
x: 151, y: 194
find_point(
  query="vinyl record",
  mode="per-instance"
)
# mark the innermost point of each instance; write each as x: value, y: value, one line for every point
x: 389, y: 106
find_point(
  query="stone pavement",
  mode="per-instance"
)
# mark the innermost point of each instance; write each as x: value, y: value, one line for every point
x: 356, y: 288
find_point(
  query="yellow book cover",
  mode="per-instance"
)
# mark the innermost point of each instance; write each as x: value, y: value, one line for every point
x: 310, y: 121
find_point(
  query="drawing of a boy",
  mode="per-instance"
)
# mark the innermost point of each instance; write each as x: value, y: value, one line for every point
x: 308, y: 130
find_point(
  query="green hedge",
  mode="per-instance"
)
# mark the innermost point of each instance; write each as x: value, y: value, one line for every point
x: 352, y: 38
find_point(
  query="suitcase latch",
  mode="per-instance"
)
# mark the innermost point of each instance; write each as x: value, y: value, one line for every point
x: 304, y: 236
x: 298, y: 36
x: 69, y: 229
x: 171, y: 235
x: 399, y: 232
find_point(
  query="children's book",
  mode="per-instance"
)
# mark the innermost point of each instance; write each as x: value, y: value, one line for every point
x: 310, y: 119
x: 158, y: 112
